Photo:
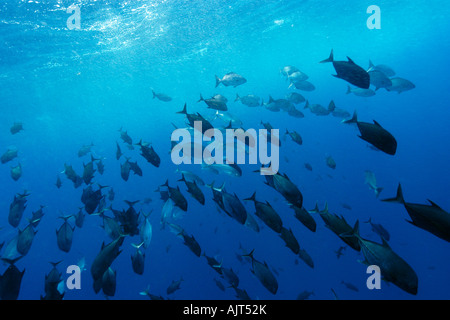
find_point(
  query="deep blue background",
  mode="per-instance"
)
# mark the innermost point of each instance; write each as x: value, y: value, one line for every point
x: 71, y: 88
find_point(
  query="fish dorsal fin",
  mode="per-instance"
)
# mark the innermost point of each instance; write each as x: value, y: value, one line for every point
x: 434, y: 205
x: 384, y: 243
x: 377, y: 124
x: 350, y: 60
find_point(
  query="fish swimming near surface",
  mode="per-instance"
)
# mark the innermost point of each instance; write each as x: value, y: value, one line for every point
x: 431, y: 218
x: 231, y: 79
x: 375, y: 134
x: 350, y: 72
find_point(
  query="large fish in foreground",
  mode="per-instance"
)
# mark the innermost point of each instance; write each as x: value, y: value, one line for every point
x: 392, y: 267
x: 376, y: 135
x: 350, y: 72
x: 431, y: 218
x: 231, y: 79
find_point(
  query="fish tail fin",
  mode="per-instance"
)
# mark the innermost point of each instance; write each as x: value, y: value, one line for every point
x: 325, y: 210
x: 250, y: 255
x: 330, y: 58
x: 349, y: 90
x: 378, y: 191
x: 252, y: 198
x: 237, y: 98
x: 331, y: 106
x: 399, y: 198
x: 270, y: 99
x: 154, y: 94
x: 371, y: 66
x: 201, y: 98
x: 184, y: 111
x: 354, y: 119
x: 217, y: 81
x: 306, y: 105
x: 368, y: 221
x: 182, y: 178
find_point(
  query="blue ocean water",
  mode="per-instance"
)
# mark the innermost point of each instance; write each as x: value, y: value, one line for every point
x: 71, y: 88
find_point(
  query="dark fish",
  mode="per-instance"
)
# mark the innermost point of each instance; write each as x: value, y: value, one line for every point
x: 317, y: 109
x: 118, y: 151
x: 176, y: 196
x: 304, y: 295
x: 400, y: 85
x: 109, y: 282
x: 303, y: 85
x: 431, y: 218
x: 91, y: 199
x: 267, y: 214
x: 36, y: 216
x: 100, y: 166
x: 213, y: 263
x: 379, y: 229
x: 279, y: 104
x: 192, y: 118
x: 58, y: 183
x: 149, y: 154
x: 72, y: 175
x: 306, y: 258
x: 138, y: 260
x: 296, y: 113
x: 350, y: 72
x: 263, y: 273
x: 10, y: 281
x: 194, y: 190
x: 330, y: 162
x: 339, y: 226
x: 129, y: 219
x: 25, y: 239
x: 192, y: 244
x: 308, y: 167
x: 64, y: 235
x: 79, y: 218
x: 286, y: 188
x: 17, y: 208
x: 339, y: 252
x: 305, y: 218
x: 290, y: 240
x: 375, y: 134
x: 174, y: 286
x: 16, y: 128
x: 393, y: 268
x: 135, y: 168
x: 219, y: 284
x: 9, y: 155
x: 241, y: 294
x: 231, y: 79
x: 230, y: 276
x: 125, y: 169
x: 111, y: 194
x: 104, y: 259
x: 379, y: 79
x: 296, y: 137
x: 215, y: 104
x: 234, y: 207
x: 125, y: 137
x: 84, y: 150
x: 53, y: 282
x: 161, y: 96
x: 16, y: 172
x: 88, y: 171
